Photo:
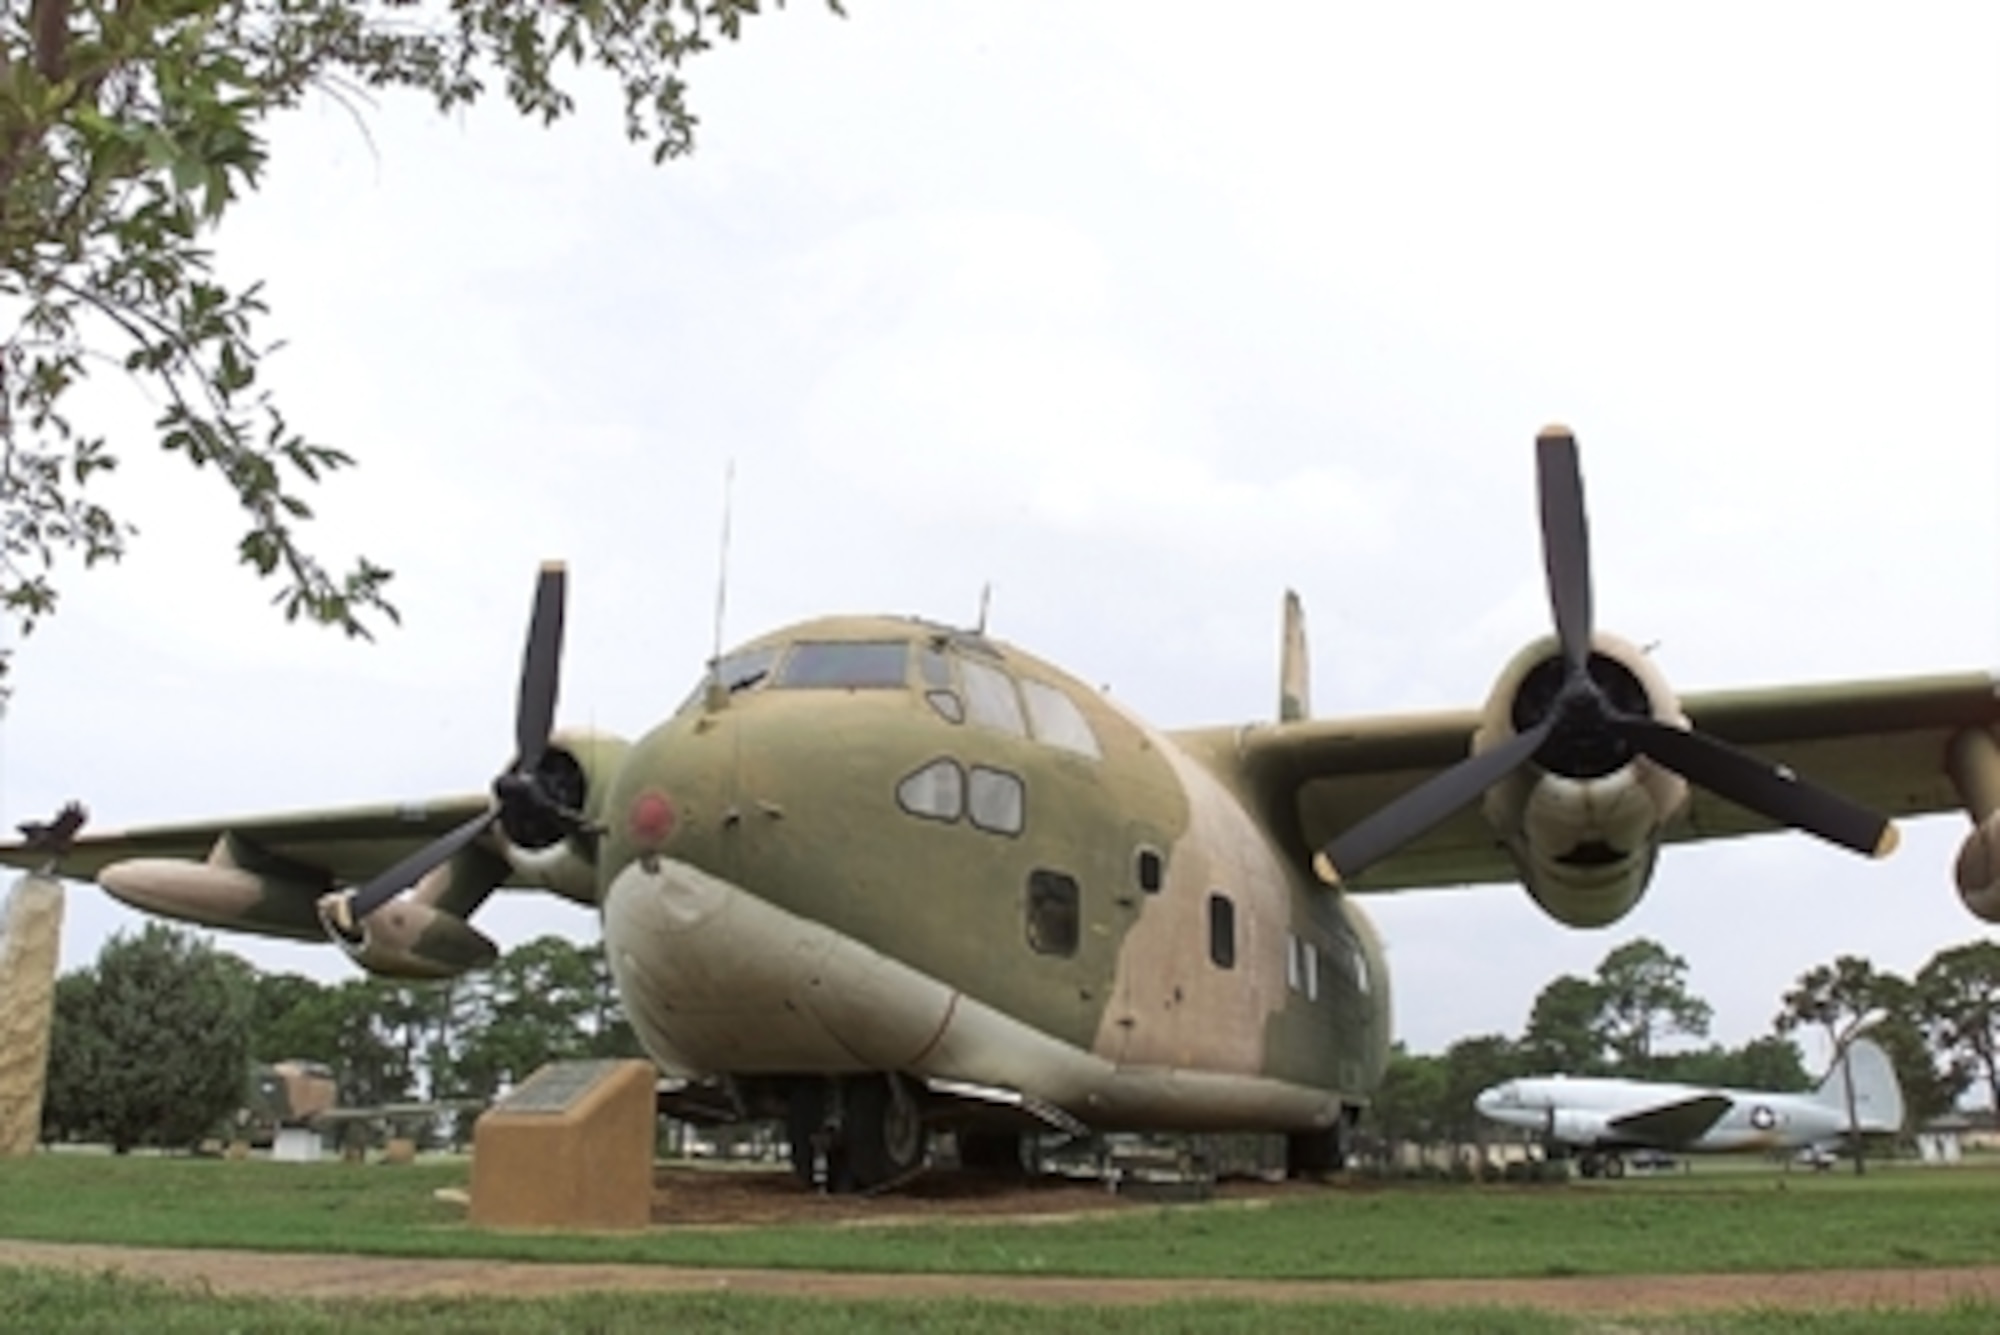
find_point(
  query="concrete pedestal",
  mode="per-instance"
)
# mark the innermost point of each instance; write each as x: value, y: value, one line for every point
x: 572, y: 1148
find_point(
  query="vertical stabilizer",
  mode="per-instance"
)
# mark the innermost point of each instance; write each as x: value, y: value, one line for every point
x: 1878, y: 1097
x: 1294, y: 673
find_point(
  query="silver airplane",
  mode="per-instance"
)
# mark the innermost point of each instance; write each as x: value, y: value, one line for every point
x: 1603, y: 1116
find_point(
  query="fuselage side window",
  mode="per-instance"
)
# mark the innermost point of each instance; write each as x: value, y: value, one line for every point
x: 850, y: 665
x: 936, y: 791
x: 1054, y: 913
x: 996, y: 800
x: 1302, y: 966
x: 1221, y: 930
x: 990, y: 700
x: 1150, y: 869
x: 1055, y: 719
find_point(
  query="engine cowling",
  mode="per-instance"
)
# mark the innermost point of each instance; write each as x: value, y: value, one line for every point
x: 1583, y: 819
x: 1575, y: 1127
x: 578, y: 767
x: 1978, y: 869
x: 406, y: 938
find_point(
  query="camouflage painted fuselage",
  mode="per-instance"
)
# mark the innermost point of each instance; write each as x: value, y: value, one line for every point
x: 805, y: 875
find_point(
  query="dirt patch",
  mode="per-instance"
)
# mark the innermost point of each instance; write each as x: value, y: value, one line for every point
x: 710, y: 1198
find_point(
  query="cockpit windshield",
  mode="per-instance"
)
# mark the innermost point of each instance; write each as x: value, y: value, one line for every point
x: 850, y: 665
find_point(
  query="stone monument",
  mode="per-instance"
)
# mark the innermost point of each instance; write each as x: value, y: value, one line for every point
x: 572, y: 1148
x: 30, y: 939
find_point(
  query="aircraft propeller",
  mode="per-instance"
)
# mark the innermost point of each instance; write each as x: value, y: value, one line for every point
x: 1583, y: 717
x: 535, y: 798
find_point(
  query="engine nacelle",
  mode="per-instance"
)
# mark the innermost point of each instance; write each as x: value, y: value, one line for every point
x: 578, y: 766
x: 1978, y: 869
x: 1574, y: 1127
x: 408, y: 939
x: 217, y: 893
x: 1583, y: 819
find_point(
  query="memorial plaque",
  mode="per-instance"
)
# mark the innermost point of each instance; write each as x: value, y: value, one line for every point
x: 557, y: 1086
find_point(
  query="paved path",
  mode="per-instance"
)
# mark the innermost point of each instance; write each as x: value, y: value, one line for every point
x: 323, y: 1276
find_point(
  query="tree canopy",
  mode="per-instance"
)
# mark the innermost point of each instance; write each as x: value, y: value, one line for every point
x: 1644, y: 998
x: 150, y: 1045
x: 126, y: 133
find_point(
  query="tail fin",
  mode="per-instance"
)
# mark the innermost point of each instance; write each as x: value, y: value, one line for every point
x: 1294, y: 673
x: 1878, y: 1098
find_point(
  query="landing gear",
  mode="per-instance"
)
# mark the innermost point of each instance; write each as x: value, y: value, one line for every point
x: 1317, y: 1154
x: 1592, y: 1164
x: 1322, y: 1153
x: 994, y: 1153
x: 855, y: 1134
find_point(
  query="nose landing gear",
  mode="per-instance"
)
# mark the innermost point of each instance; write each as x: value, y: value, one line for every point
x: 856, y: 1134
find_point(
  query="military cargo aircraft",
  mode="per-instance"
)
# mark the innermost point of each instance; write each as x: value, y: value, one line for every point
x: 1602, y: 1116
x: 880, y: 876
x: 299, y: 1094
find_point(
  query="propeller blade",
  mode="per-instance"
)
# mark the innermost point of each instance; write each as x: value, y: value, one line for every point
x: 386, y: 885
x: 1565, y: 541
x: 541, y: 669
x: 1767, y: 789
x: 1425, y: 806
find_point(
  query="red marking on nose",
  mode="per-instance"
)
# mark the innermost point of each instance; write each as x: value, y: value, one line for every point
x: 651, y: 818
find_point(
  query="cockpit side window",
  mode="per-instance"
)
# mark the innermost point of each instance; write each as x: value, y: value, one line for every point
x: 939, y: 687
x: 990, y: 699
x: 741, y: 671
x: 1056, y: 720
x: 849, y: 665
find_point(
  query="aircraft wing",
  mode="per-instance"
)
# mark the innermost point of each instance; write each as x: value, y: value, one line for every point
x: 1672, y: 1125
x: 391, y: 1112
x: 298, y: 855
x: 1881, y: 743
x: 345, y: 843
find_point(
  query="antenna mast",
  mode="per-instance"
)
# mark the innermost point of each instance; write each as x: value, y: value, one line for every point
x: 722, y: 569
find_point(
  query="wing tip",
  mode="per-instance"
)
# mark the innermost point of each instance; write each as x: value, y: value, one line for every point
x: 1324, y: 869
x: 1887, y: 844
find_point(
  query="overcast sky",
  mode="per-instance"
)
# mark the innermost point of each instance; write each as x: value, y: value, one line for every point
x: 1140, y: 315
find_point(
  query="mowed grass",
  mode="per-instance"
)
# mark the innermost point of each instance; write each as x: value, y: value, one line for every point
x: 1707, y: 1221
x: 54, y: 1304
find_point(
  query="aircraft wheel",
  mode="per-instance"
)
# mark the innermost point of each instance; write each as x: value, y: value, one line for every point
x: 1614, y: 1167
x: 884, y: 1130
x: 1589, y: 1165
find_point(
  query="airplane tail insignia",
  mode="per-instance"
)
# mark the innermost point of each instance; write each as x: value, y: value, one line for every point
x: 1878, y: 1097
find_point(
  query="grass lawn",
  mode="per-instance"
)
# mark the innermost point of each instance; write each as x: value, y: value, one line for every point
x: 1706, y: 1221
x: 1752, y: 1219
x: 52, y: 1304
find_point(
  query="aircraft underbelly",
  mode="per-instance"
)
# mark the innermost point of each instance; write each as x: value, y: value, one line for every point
x: 718, y: 981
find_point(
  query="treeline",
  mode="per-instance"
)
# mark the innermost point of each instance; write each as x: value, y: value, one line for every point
x: 1941, y: 1029
x: 153, y: 1043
